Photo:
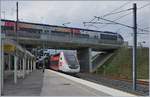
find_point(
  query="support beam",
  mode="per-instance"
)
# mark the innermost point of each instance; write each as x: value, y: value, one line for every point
x: 24, y: 62
x: 84, y: 56
x: 31, y: 65
x: 34, y: 64
x: 20, y: 66
x: 9, y: 62
x: 2, y: 66
x: 15, y: 69
x: 28, y: 66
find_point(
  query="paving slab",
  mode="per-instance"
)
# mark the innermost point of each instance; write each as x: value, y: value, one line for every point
x: 31, y: 85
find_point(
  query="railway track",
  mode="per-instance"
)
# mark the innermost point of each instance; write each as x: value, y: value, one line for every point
x: 117, y: 83
x: 146, y: 83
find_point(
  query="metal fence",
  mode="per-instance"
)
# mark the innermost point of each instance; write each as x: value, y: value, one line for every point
x: 63, y: 38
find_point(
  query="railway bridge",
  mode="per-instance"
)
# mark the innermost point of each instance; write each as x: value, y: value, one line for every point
x: 83, y: 45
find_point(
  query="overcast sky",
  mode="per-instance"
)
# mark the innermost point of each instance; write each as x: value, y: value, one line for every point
x: 77, y: 12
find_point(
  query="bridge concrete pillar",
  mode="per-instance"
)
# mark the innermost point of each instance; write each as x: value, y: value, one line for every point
x: 84, y: 56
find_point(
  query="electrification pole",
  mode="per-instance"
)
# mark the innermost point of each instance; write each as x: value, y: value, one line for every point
x: 17, y: 22
x: 134, y: 45
x: 15, y: 57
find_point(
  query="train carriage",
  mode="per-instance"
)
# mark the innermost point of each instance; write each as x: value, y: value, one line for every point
x: 26, y: 29
x: 64, y: 62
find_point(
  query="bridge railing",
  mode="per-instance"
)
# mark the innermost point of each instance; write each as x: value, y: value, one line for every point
x: 64, y: 38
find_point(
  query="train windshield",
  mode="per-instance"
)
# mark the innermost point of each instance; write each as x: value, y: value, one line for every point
x: 72, y: 61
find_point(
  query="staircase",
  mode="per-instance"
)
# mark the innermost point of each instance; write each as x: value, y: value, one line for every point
x: 99, y: 59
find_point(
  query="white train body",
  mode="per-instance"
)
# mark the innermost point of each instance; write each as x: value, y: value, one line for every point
x: 65, y: 62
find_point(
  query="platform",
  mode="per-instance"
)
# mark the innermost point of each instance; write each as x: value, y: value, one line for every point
x: 58, y: 84
x: 31, y: 85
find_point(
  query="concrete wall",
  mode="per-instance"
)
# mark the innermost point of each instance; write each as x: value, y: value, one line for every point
x: 84, y: 56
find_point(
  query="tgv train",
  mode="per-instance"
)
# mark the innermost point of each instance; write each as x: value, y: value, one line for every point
x: 26, y: 29
x: 64, y: 62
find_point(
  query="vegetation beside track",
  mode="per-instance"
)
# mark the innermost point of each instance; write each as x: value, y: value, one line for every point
x: 120, y: 64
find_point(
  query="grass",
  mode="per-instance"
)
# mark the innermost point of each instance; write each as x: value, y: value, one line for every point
x: 120, y: 64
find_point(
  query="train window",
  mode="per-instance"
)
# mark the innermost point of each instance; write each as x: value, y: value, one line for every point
x: 7, y: 28
x: 46, y: 31
x: 84, y: 35
x: 59, y: 33
x: 108, y: 37
x: 31, y: 30
x: 40, y: 31
x: 71, y: 59
x: 95, y: 36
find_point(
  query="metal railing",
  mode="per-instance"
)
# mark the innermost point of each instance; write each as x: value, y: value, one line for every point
x: 62, y: 38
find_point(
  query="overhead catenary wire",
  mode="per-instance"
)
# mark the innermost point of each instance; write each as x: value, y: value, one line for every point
x: 137, y: 9
x: 131, y: 12
x: 118, y: 12
x: 143, y: 30
x: 126, y: 15
x: 117, y: 8
x: 90, y: 21
x: 112, y: 10
x: 97, y: 23
x: 124, y: 27
x: 107, y: 23
x: 123, y: 24
x: 144, y: 6
x: 146, y: 28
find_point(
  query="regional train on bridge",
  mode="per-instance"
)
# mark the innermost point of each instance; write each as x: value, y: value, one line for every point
x: 66, y: 62
x: 26, y: 29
